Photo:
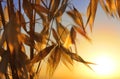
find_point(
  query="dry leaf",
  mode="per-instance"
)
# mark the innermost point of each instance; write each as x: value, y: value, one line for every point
x: 118, y: 7
x: 6, y: 15
x: 79, y: 59
x: 73, y: 35
x: 68, y: 41
x: 41, y: 39
x: 111, y: 6
x: 27, y: 8
x: 21, y: 66
x: 77, y: 17
x: 62, y: 31
x: 81, y: 32
x: 25, y: 39
x: 21, y: 20
x: 54, y: 60
x: 42, y: 54
x: 39, y: 8
x: 4, y: 62
x: 65, y: 56
x: 54, y: 6
x: 91, y: 12
x: 2, y: 39
x: 104, y: 7
x: 55, y: 35
x: 37, y: 1
x: 62, y: 8
x: 76, y: 57
x: 12, y: 31
x: 0, y: 22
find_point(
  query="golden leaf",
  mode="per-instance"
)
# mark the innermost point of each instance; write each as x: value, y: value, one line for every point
x: 65, y: 56
x: 54, y: 60
x: 42, y: 54
x: 39, y: 8
x: 55, y: 35
x: 76, y: 57
x: 6, y: 15
x: 1, y: 51
x: 77, y: 17
x: 0, y: 22
x: 81, y: 32
x: 37, y: 1
x: 63, y: 32
x: 73, y: 35
x: 2, y: 39
x: 111, y: 6
x: 21, y: 66
x: 62, y: 8
x: 79, y: 59
x: 27, y: 8
x: 103, y: 5
x: 12, y: 31
x: 68, y: 41
x: 91, y: 12
x: 54, y: 6
x: 41, y: 39
x: 4, y: 62
x: 21, y: 20
x: 24, y: 39
x: 118, y: 7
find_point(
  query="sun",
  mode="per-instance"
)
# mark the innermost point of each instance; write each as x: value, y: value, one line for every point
x: 105, y: 65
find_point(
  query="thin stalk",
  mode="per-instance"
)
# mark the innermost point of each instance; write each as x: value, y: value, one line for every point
x: 47, y: 42
x: 19, y: 2
x: 32, y: 28
x: 4, y: 26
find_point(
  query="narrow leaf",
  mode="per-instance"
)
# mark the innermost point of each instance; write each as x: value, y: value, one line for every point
x: 111, y: 6
x: 118, y: 8
x: 55, y: 35
x: 73, y: 35
x: 42, y: 54
x: 91, y: 12
x: 77, y: 17
x: 40, y: 8
x: 6, y: 15
x: 103, y: 5
x: 79, y: 59
x: 55, y: 6
x: 25, y: 39
x: 82, y: 33
x: 62, y: 31
x: 62, y: 8
x: 65, y: 56
x: 68, y: 41
x: 12, y: 31
x: 27, y: 8
x: 21, y: 20
x: 54, y: 60
x: 4, y: 62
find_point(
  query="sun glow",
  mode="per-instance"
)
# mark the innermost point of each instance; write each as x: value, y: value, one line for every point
x: 105, y: 65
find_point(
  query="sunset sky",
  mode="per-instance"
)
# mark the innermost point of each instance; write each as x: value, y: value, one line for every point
x: 104, y: 49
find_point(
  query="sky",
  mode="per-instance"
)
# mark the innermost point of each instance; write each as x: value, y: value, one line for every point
x: 105, y: 49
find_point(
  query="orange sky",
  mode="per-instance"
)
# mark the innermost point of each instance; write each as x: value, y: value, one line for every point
x: 105, y: 43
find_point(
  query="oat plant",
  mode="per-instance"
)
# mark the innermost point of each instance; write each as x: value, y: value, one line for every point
x: 21, y: 46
